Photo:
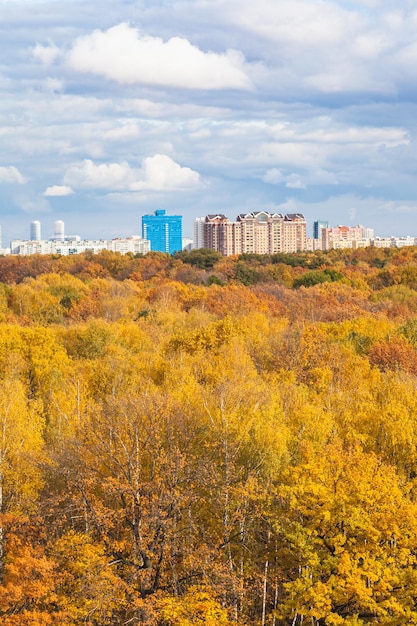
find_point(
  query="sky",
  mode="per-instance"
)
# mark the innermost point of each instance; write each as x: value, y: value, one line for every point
x: 111, y: 109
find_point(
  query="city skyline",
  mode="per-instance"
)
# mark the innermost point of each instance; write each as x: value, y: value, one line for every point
x: 113, y: 110
x: 258, y: 232
x: 57, y: 230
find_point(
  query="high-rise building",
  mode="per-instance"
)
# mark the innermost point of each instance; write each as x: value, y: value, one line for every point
x: 294, y: 233
x: 163, y: 231
x: 259, y: 232
x: 368, y: 233
x: 59, y: 230
x: 340, y: 236
x: 318, y: 225
x: 219, y: 234
x: 198, y: 241
x: 35, y: 231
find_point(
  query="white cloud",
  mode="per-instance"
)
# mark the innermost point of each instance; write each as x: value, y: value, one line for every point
x: 323, y: 151
x: 291, y: 154
x: 391, y: 207
x: 115, y: 176
x: 295, y: 182
x: 46, y: 54
x: 326, y: 131
x: 369, y: 46
x: 122, y: 132
x: 273, y: 176
x: 58, y: 190
x: 304, y: 22
x: 163, y: 109
x: 322, y: 177
x: 30, y: 203
x: 329, y: 47
x: 161, y: 173
x: 11, y: 175
x: 126, y: 56
x: 157, y: 173
x: 54, y: 85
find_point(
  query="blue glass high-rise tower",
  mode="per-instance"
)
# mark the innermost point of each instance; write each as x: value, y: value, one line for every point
x: 317, y: 228
x: 163, y: 231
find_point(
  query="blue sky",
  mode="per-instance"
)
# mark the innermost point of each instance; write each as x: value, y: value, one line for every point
x: 112, y: 109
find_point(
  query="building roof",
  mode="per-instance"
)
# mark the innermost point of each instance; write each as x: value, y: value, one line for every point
x: 294, y: 217
x: 216, y: 216
x: 257, y: 214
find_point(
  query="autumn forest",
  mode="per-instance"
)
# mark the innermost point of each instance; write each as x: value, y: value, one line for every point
x: 197, y: 440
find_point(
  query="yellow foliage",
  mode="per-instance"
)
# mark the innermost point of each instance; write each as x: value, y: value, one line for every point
x: 260, y: 439
x: 21, y: 448
x: 197, y: 607
x: 88, y: 588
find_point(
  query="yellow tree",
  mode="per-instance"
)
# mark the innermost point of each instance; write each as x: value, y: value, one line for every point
x: 197, y: 607
x: 88, y: 590
x: 21, y: 442
x: 347, y: 531
x: 25, y: 573
x: 126, y: 473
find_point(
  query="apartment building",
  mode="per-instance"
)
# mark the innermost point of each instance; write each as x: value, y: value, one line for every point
x: 340, y: 236
x: 134, y: 245
x: 259, y: 232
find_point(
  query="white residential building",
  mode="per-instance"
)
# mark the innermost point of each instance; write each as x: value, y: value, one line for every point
x: 401, y: 242
x: 35, y: 231
x: 135, y: 245
x: 198, y: 241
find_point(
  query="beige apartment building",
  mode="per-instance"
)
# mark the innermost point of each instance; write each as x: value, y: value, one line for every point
x: 259, y: 232
x: 341, y: 236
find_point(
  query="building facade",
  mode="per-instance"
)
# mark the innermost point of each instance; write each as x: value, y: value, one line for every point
x: 198, y: 233
x: 59, y: 230
x: 134, y: 245
x: 341, y: 236
x: 318, y: 226
x: 219, y: 234
x: 35, y: 231
x: 164, y: 232
x: 259, y: 232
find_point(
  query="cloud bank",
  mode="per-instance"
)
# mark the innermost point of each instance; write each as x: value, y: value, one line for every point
x: 209, y: 105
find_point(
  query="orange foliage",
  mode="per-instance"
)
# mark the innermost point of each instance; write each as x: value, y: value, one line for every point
x: 394, y: 354
x: 29, y: 577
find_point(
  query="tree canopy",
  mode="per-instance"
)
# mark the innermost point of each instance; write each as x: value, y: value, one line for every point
x: 180, y: 449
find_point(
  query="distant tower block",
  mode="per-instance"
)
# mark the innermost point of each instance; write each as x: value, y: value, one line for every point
x: 59, y: 232
x: 35, y: 231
